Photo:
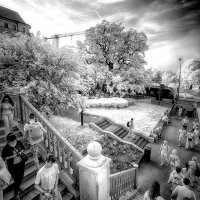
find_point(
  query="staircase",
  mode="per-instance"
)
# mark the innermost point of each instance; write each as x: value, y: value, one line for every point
x: 27, y: 185
x: 121, y: 132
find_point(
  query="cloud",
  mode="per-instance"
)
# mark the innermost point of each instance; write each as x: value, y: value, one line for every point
x: 172, y: 26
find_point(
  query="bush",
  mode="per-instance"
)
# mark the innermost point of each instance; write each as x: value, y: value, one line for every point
x: 107, y: 102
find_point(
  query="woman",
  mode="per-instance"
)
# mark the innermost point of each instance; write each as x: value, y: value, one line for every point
x: 153, y: 193
x: 181, y: 135
x: 185, y: 122
x: 189, y: 139
x: 16, y: 166
x: 185, y: 171
x: 196, y: 136
x: 174, y: 160
x: 164, y: 150
x: 4, y: 177
x: 7, y: 107
x: 192, y: 170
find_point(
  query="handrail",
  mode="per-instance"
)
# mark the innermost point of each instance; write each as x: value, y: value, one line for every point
x: 123, y: 181
x: 66, y: 155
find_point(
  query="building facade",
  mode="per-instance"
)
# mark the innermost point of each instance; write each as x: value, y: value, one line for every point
x: 11, y: 22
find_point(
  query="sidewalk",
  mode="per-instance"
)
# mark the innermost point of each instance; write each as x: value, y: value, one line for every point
x: 149, y: 172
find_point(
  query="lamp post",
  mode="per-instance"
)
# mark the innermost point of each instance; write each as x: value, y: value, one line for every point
x: 179, y: 80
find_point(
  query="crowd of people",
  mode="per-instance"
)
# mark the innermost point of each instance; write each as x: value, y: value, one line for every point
x: 13, y: 158
x: 181, y: 178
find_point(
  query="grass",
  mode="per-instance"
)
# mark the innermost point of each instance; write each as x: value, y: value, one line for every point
x: 146, y: 116
x: 78, y: 136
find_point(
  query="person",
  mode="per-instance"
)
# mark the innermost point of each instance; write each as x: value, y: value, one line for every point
x: 196, y: 136
x: 185, y: 122
x: 180, y: 111
x: 185, y: 170
x: 174, y: 160
x: 165, y: 118
x: 131, y: 127
x: 195, y: 124
x: 193, y: 164
x: 7, y: 108
x: 194, y: 112
x: 16, y: 165
x: 33, y: 133
x: 153, y: 193
x: 5, y: 177
x: 181, y: 135
x: 183, y: 191
x: 176, y: 178
x: 46, y: 181
x: 164, y: 150
x: 189, y: 139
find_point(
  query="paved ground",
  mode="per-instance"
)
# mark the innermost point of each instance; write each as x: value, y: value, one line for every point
x: 148, y: 172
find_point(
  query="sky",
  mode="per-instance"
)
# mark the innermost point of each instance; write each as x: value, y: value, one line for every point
x: 172, y: 26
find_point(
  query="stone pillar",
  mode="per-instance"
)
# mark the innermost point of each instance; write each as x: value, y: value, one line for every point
x: 94, y: 174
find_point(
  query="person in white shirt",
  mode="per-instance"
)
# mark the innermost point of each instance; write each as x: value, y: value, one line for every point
x: 165, y: 119
x: 174, y: 160
x: 189, y: 139
x: 185, y: 122
x: 195, y: 124
x: 183, y: 191
x: 196, y: 136
x: 33, y: 133
x: 164, y: 150
x: 131, y: 127
x: 181, y: 135
x: 46, y: 181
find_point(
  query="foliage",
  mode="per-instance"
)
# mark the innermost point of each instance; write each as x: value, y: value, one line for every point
x: 168, y: 77
x: 190, y: 72
x: 107, y: 102
x: 157, y: 76
x: 46, y: 75
x: 116, y: 56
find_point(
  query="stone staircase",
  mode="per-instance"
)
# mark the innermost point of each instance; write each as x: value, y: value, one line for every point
x: 28, y: 191
x: 121, y: 132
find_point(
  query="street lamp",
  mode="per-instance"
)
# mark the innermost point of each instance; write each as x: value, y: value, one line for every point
x: 179, y: 81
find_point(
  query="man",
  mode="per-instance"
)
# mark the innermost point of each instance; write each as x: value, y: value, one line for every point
x: 185, y: 122
x: 131, y: 127
x: 181, y: 135
x: 176, y: 178
x: 183, y: 191
x: 46, y: 181
x: 164, y: 150
x: 33, y: 133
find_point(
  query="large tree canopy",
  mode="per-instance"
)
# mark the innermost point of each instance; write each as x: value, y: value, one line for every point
x: 190, y: 72
x: 120, y: 52
x: 45, y: 74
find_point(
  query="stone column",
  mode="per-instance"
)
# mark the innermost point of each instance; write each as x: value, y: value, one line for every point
x: 94, y: 174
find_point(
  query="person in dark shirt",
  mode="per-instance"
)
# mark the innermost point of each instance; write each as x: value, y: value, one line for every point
x: 16, y: 166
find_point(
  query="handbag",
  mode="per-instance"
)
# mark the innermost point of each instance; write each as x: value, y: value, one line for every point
x: 22, y: 155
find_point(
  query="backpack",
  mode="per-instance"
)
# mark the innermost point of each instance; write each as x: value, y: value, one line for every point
x: 128, y: 125
x: 35, y: 131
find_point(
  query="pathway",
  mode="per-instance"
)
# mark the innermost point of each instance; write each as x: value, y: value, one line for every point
x: 148, y: 172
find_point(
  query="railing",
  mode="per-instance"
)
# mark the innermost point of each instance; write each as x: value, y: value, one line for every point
x: 123, y: 181
x: 66, y: 155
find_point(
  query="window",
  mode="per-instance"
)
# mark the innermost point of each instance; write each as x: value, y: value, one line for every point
x: 14, y: 27
x: 6, y: 25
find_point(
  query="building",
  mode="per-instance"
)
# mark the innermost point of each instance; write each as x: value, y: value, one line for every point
x: 11, y: 21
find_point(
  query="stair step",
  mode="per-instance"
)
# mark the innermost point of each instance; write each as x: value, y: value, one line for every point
x: 67, y: 196
x: 105, y: 126
x: 143, y: 144
x: 119, y: 131
x: 99, y: 121
x: 139, y: 141
x: 116, y: 129
x: 123, y: 134
x: 102, y: 123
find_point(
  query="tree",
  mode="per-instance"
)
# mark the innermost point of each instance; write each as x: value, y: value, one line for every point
x: 120, y: 53
x: 168, y: 77
x: 157, y: 77
x: 49, y: 80
x: 190, y: 72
